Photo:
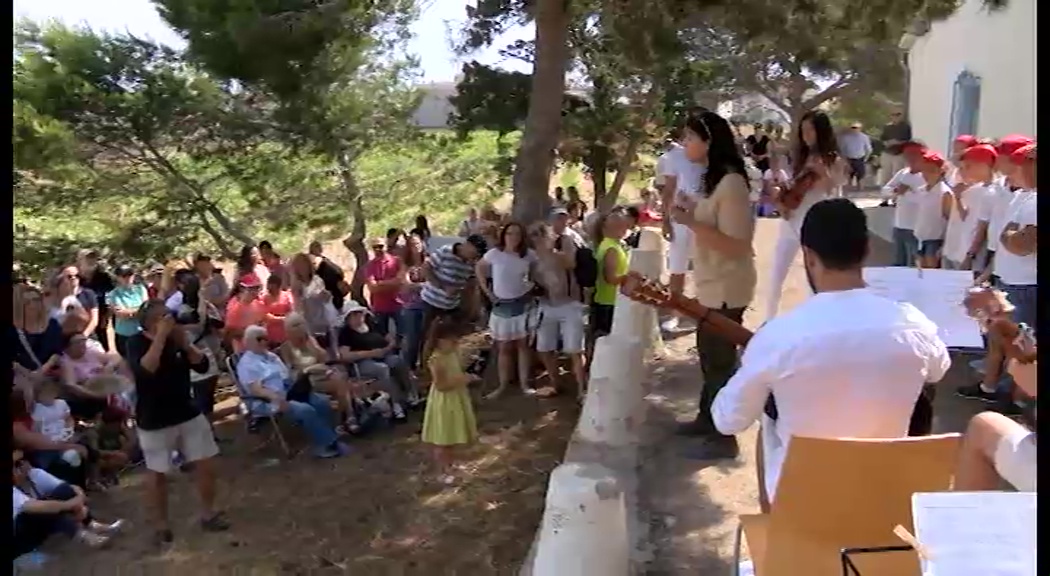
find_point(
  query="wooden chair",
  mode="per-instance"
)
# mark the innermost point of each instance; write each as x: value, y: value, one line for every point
x: 845, y: 493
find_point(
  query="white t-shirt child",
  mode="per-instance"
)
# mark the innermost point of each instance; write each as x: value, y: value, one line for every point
x: 1012, y: 268
x: 930, y: 223
x: 960, y: 232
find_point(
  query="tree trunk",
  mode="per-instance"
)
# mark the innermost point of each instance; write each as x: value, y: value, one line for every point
x: 626, y: 164
x: 355, y: 242
x: 598, y: 164
x: 532, y: 169
x: 224, y: 247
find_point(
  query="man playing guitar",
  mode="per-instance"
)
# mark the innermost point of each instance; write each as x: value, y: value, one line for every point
x: 847, y: 362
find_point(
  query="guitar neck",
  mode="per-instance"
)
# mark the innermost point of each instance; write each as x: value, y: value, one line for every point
x: 732, y: 331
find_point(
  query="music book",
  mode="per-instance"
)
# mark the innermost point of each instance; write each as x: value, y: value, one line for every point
x: 976, y: 533
x: 936, y: 293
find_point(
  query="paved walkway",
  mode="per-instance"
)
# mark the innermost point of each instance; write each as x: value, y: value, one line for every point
x: 693, y: 505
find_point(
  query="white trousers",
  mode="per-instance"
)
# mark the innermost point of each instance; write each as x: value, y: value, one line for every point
x: 787, y: 247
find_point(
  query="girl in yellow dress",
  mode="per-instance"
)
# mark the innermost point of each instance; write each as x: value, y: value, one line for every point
x: 449, y: 418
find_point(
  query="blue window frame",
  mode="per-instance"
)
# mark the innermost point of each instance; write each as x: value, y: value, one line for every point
x: 966, y: 104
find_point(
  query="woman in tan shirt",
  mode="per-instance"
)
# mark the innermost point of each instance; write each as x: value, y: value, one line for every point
x: 724, y: 274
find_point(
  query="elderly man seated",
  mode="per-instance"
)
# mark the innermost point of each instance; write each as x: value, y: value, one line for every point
x: 996, y: 448
x: 373, y: 355
x: 262, y: 373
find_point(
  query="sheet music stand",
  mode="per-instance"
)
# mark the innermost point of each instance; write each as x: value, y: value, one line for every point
x: 850, y: 569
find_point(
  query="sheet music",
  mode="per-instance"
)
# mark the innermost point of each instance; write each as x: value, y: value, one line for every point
x: 976, y: 533
x: 937, y: 293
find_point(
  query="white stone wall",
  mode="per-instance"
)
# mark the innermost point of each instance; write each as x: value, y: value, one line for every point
x: 999, y: 47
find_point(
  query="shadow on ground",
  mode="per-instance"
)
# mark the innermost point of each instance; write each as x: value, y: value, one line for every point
x: 378, y: 511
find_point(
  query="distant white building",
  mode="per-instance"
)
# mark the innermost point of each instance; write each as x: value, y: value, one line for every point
x: 434, y: 109
x: 973, y: 73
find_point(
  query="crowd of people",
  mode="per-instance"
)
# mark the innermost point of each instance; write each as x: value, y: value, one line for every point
x: 295, y: 341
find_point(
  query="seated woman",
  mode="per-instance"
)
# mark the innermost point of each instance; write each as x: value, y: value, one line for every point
x: 52, y: 418
x: 34, y: 339
x: 373, y: 356
x: 44, y: 505
x: 82, y: 366
x: 262, y: 373
x: 25, y: 438
x: 996, y: 448
x: 306, y: 358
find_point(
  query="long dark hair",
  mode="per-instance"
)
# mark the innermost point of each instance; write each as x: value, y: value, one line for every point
x: 244, y: 260
x: 723, y: 154
x: 412, y: 257
x: 827, y: 144
x: 523, y: 246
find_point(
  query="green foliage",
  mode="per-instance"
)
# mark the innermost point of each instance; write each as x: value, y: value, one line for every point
x: 489, y: 98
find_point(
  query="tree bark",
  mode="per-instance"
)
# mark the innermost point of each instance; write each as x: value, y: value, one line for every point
x: 598, y: 164
x: 532, y: 168
x: 626, y: 164
x: 355, y: 242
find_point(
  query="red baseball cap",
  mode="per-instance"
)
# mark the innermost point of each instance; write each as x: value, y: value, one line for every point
x: 933, y: 157
x: 983, y: 153
x: 250, y: 280
x: 966, y: 140
x: 1023, y: 154
x: 1007, y: 144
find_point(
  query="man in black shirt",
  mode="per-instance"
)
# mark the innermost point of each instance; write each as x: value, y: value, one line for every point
x: 758, y: 147
x: 94, y: 278
x: 331, y: 274
x: 372, y: 355
x: 169, y: 420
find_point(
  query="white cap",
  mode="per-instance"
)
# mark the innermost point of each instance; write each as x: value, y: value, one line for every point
x: 253, y: 332
x: 351, y: 306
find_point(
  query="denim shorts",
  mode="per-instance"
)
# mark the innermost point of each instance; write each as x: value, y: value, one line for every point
x: 1023, y: 297
x: 930, y: 248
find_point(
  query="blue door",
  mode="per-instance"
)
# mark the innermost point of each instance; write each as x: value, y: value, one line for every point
x: 966, y: 103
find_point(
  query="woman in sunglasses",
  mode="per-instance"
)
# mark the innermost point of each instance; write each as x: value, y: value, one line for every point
x: 44, y: 505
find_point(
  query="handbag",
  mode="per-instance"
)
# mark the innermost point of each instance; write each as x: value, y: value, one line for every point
x: 511, y: 308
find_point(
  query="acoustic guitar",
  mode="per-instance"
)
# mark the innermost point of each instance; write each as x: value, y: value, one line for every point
x: 654, y: 293
x: 992, y: 310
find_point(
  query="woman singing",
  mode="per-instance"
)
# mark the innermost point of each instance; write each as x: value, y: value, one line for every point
x: 816, y: 151
x: 724, y: 275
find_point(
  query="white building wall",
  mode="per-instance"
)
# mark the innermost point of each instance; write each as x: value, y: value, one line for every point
x: 999, y: 47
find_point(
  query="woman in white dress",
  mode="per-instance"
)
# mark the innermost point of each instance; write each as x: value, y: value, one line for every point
x: 816, y: 150
x: 505, y: 277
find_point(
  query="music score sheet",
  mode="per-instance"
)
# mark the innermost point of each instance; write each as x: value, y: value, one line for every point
x: 937, y: 293
x: 976, y: 533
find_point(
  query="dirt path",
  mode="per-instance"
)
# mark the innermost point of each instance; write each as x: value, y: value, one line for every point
x: 693, y: 504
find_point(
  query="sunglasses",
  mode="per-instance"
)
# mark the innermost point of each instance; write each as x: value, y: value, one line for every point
x: 262, y: 339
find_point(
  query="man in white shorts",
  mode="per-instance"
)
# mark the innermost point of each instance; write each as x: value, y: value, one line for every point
x: 677, y: 177
x: 168, y: 418
x: 996, y: 448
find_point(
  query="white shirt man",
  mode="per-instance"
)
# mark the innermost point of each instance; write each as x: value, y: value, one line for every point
x: 847, y: 362
x: 687, y: 177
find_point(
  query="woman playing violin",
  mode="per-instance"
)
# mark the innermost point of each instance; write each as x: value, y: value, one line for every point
x: 819, y: 173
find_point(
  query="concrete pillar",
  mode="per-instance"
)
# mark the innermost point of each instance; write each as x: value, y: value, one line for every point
x: 635, y: 319
x: 615, y: 408
x: 584, y: 527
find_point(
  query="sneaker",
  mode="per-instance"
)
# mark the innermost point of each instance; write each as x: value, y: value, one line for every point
x: 92, y: 540
x: 343, y: 449
x: 217, y: 523
x: 106, y: 529
x: 715, y: 448
x: 975, y: 392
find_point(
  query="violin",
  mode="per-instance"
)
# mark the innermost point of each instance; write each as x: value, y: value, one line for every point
x: 792, y: 196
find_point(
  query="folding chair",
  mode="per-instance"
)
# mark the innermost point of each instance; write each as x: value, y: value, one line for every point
x: 845, y: 493
x: 254, y: 424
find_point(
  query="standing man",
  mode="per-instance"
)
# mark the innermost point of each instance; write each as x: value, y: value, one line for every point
x: 449, y: 271
x: 680, y: 182
x: 856, y: 147
x: 894, y: 134
x: 169, y: 420
x: 95, y: 278
x: 330, y: 273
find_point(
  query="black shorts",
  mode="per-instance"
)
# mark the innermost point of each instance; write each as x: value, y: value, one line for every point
x: 601, y: 319
x: 857, y: 168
